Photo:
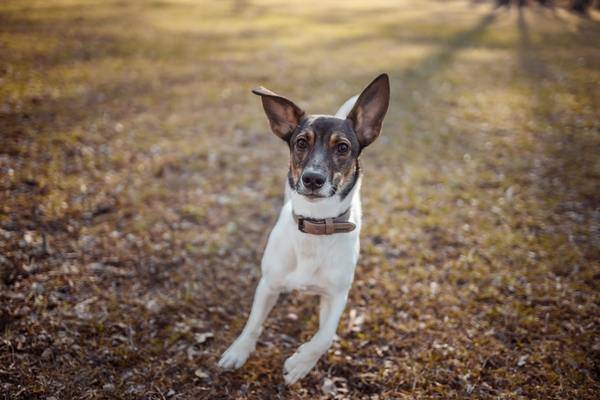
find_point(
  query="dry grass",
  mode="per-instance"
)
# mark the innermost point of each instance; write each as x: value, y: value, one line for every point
x: 132, y: 157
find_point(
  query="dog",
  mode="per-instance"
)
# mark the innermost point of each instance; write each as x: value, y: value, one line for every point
x: 314, y: 245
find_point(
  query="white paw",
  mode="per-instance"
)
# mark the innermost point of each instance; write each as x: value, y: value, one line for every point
x: 298, y: 365
x: 236, y: 355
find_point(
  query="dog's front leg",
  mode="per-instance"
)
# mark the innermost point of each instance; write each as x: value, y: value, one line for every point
x: 299, y: 364
x: 324, y: 309
x: 237, y: 354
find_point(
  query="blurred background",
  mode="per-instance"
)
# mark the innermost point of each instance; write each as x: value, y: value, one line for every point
x: 138, y: 179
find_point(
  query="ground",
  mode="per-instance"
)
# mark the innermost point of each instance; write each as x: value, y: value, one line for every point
x: 138, y: 180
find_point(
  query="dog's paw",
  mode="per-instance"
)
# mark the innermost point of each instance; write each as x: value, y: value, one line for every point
x: 236, y: 355
x: 298, y: 365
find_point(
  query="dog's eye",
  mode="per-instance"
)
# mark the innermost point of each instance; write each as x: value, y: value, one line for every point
x: 301, y: 144
x: 342, y: 148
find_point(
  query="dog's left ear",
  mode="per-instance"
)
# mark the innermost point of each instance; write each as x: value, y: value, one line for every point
x: 369, y: 110
x: 284, y: 116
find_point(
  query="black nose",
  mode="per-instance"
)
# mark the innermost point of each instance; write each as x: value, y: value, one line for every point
x: 313, y: 180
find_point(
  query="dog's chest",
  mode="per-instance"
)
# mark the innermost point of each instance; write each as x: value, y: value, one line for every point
x: 319, y: 263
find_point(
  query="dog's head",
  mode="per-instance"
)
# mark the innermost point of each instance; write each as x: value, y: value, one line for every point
x: 324, y: 149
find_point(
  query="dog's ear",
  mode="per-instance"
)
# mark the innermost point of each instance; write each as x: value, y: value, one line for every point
x: 369, y: 110
x: 284, y: 116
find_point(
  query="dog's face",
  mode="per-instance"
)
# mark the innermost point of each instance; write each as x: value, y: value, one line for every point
x: 324, y: 150
x: 323, y: 155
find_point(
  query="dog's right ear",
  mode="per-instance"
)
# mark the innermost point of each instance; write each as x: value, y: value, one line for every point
x: 284, y: 116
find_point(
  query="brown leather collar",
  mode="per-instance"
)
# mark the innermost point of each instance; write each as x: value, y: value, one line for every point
x: 325, y: 226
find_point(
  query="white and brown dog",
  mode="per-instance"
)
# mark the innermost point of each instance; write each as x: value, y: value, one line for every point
x: 314, y: 245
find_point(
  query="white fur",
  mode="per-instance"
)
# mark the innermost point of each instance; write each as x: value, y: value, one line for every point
x: 346, y: 107
x: 293, y: 260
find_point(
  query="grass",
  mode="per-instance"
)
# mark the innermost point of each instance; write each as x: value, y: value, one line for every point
x: 133, y: 158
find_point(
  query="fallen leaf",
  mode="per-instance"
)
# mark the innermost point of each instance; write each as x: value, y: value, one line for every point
x: 201, y: 374
x: 522, y: 360
x: 328, y: 387
x: 203, y: 337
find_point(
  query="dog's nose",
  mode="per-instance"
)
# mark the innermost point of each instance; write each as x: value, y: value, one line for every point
x: 313, y: 180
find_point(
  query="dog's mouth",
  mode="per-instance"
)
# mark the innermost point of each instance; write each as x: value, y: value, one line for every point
x: 315, y: 195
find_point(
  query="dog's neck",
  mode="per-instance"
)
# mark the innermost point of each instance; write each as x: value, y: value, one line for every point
x: 329, y: 207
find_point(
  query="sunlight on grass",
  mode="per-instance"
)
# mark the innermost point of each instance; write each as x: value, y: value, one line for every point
x: 139, y: 180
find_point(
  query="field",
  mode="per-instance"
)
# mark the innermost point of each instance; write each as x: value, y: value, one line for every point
x: 139, y: 179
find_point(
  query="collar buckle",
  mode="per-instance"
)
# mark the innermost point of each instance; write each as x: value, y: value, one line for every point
x: 301, y: 224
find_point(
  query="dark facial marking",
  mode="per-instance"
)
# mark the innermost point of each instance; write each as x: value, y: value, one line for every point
x: 328, y: 145
x: 348, y: 187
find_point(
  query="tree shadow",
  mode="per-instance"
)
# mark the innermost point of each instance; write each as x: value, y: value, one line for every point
x: 449, y: 44
x: 421, y: 80
x: 77, y: 35
x: 564, y: 175
x: 441, y: 59
x: 85, y: 39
